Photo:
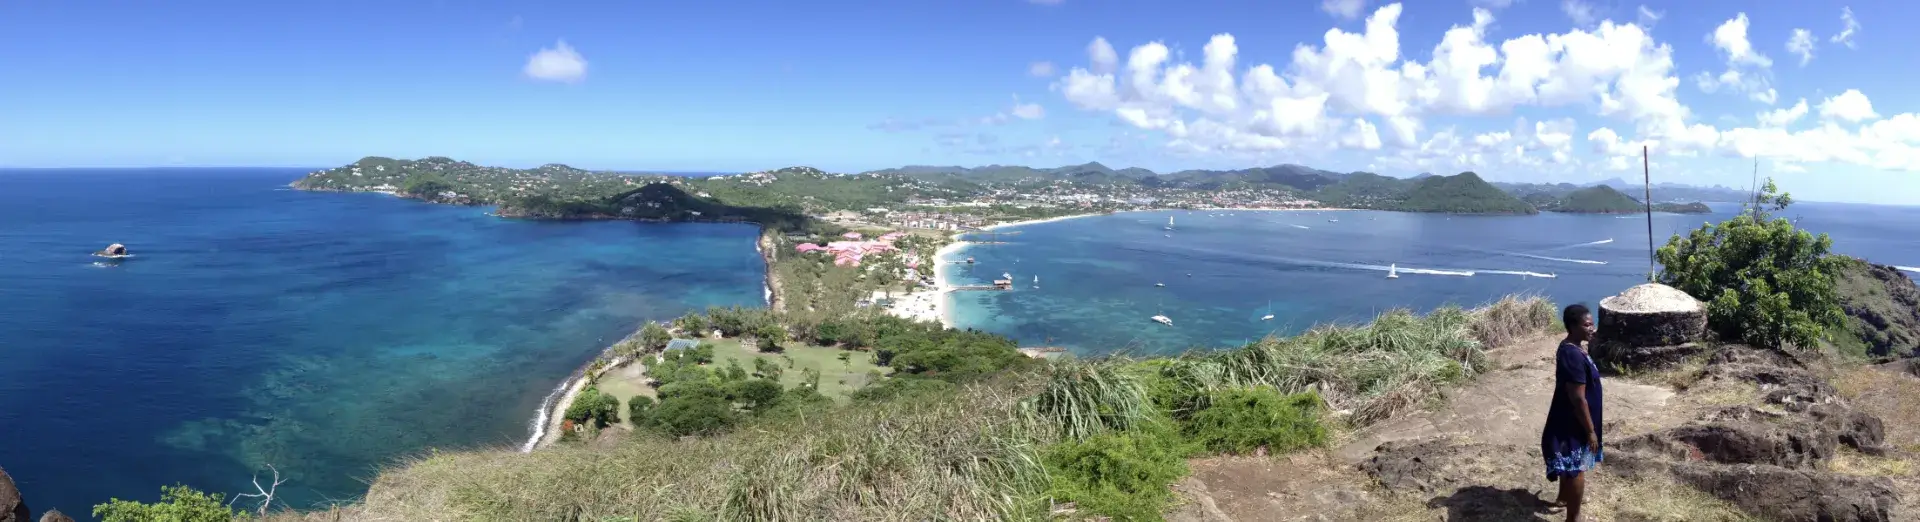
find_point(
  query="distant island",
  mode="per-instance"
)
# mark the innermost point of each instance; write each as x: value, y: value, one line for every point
x: 797, y: 199
x: 1602, y: 199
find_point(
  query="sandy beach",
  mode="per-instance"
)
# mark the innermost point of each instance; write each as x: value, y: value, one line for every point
x: 931, y: 304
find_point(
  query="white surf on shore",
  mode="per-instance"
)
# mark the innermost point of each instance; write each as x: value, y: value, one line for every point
x: 1908, y: 268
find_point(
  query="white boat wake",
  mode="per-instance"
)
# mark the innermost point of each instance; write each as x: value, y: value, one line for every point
x: 1560, y: 259
x: 1302, y: 227
x: 1589, y: 243
x: 1521, y: 273
x: 1908, y: 268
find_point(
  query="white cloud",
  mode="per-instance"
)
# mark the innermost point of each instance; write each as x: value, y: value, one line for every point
x: 1783, y: 117
x: 559, y: 63
x: 1848, y: 27
x: 1579, y: 11
x: 1029, y: 111
x: 1747, y: 70
x: 1731, y: 38
x: 1040, y: 69
x: 1801, y: 44
x: 1850, y: 106
x: 1411, y: 107
x: 1346, y: 9
x: 1647, y: 16
x: 1493, y: 4
x: 1101, y: 55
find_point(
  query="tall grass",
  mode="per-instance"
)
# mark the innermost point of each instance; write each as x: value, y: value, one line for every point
x: 1371, y: 371
x: 968, y: 456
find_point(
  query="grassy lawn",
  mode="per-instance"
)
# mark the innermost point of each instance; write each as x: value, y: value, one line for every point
x: 837, y: 379
x: 625, y: 382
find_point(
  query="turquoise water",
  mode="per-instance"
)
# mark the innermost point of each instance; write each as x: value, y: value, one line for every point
x: 322, y: 333
x: 1224, y: 270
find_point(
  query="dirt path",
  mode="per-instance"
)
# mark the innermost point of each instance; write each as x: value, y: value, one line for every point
x: 1499, y: 416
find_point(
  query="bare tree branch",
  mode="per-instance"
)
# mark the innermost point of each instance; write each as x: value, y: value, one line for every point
x: 265, y: 494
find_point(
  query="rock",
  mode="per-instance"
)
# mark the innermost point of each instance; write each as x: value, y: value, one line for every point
x: 54, y: 515
x: 115, y: 249
x: 12, y: 507
x: 1649, y: 325
x: 1882, y: 307
x: 1788, y: 445
x: 1794, y: 494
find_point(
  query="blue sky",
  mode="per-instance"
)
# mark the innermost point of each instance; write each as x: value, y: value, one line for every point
x: 1523, y: 90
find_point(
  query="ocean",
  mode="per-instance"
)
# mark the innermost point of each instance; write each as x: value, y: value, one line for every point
x: 1224, y: 270
x: 325, y: 334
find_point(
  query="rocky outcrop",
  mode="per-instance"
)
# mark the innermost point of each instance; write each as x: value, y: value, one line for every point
x: 54, y: 515
x: 1772, y: 457
x: 1650, y: 325
x: 1882, y: 306
x: 12, y: 507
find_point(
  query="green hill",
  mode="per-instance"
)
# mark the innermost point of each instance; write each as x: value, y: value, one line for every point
x: 657, y: 202
x: 1463, y: 193
x: 1599, y: 199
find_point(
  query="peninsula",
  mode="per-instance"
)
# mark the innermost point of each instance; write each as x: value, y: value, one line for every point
x: 1602, y: 199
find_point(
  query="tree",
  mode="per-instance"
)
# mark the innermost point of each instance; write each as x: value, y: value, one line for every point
x: 696, y: 414
x: 766, y: 369
x: 178, y: 503
x: 1765, y: 282
x: 654, y: 336
x: 702, y: 353
x: 640, y: 410
x: 755, y: 394
x: 771, y: 335
x: 595, y: 408
x: 734, y: 372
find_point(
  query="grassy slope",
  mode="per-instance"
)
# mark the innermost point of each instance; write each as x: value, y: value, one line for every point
x: 971, y: 454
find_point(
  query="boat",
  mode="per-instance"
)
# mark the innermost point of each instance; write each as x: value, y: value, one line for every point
x: 1036, y: 281
x: 1162, y: 320
x: 1006, y: 276
x: 1269, y: 316
x: 969, y: 260
x: 1159, y: 284
x: 1393, y: 271
x: 114, y: 251
x: 1169, y: 222
x: 1331, y: 220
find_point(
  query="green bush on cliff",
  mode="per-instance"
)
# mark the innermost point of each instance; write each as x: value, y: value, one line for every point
x: 177, y: 504
x: 1238, y: 420
x: 1122, y: 475
x: 1765, y: 282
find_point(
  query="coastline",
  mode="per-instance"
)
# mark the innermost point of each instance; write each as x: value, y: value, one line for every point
x: 931, y: 304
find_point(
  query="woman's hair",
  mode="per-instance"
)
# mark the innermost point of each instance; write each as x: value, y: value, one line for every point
x: 1571, y: 316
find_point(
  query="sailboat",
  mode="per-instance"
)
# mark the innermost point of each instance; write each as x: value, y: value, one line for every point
x: 1269, y: 316
x: 1036, y: 281
x: 1169, y: 222
x: 1159, y: 284
x: 1162, y: 318
x: 1393, y: 271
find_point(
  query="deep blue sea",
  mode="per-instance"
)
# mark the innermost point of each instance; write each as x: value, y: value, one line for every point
x: 322, y: 333
x: 1224, y: 270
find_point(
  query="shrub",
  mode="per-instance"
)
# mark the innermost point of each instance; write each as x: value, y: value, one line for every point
x: 698, y: 414
x: 1765, y: 282
x: 755, y: 394
x: 654, y: 336
x: 177, y: 504
x: 771, y: 335
x: 767, y: 369
x: 640, y: 410
x: 1237, y: 420
x: 1121, y: 474
x: 591, y: 405
x: 702, y: 353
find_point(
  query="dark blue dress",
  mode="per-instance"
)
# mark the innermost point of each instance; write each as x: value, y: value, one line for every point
x: 1564, y: 441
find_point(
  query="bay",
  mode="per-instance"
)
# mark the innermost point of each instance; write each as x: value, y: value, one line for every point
x: 1224, y: 270
x: 322, y: 333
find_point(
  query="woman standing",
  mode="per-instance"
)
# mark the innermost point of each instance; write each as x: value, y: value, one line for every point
x: 1571, y: 441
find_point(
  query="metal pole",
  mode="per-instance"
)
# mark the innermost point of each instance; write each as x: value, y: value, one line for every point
x: 1646, y: 172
